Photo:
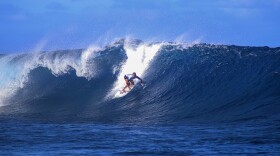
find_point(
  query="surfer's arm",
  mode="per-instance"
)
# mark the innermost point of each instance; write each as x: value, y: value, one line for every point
x: 139, y: 79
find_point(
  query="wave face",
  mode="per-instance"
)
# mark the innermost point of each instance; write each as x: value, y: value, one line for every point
x: 184, y: 83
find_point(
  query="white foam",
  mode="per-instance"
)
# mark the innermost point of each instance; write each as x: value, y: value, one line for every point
x: 11, y: 76
x: 138, y: 60
x: 15, y: 69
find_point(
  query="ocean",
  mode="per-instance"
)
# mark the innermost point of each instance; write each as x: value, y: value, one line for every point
x: 198, y: 99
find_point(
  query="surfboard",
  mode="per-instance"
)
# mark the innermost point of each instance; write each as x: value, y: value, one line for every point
x: 120, y: 93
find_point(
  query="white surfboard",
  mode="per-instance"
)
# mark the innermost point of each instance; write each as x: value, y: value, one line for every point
x: 120, y: 93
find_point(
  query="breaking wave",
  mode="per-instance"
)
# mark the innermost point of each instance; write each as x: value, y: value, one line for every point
x: 184, y: 82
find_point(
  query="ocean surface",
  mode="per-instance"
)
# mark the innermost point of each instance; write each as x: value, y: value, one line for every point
x: 117, y: 139
x: 198, y: 99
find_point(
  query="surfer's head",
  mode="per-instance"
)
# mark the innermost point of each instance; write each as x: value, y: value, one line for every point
x: 125, y: 77
x: 134, y: 74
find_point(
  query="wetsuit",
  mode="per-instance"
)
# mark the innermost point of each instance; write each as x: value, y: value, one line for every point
x: 131, y: 77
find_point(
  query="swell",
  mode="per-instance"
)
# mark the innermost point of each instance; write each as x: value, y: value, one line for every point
x: 206, y: 83
x: 183, y: 83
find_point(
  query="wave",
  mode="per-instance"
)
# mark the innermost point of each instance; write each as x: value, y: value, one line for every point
x: 200, y: 82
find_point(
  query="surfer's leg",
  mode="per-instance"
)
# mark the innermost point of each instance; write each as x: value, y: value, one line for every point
x: 127, y: 86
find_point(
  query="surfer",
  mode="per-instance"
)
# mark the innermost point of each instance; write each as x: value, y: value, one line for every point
x: 129, y: 80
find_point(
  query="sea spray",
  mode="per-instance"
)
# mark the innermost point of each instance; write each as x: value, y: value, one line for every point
x: 138, y: 60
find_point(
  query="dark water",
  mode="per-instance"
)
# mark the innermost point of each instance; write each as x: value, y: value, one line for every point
x: 118, y: 139
x: 201, y: 99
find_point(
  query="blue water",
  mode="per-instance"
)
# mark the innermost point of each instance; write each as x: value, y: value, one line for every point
x: 118, y: 139
x: 199, y: 99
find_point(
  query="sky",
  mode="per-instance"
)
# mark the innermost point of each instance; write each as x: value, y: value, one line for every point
x: 36, y: 25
